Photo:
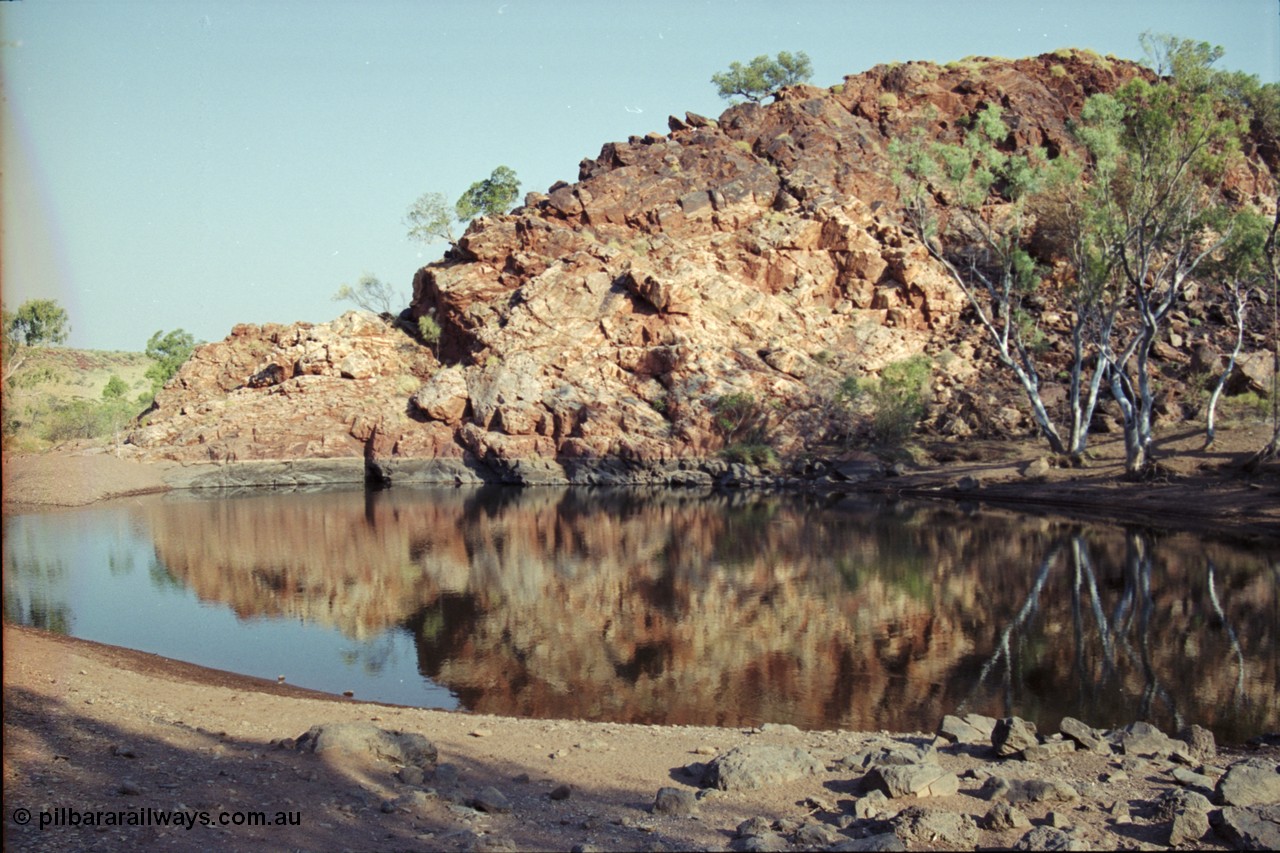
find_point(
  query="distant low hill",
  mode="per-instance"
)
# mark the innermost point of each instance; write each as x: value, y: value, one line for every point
x: 57, y: 395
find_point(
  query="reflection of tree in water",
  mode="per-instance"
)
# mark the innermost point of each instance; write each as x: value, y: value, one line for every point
x: 162, y: 578
x: 1155, y: 627
x: 736, y: 609
x: 373, y: 654
x: 31, y: 591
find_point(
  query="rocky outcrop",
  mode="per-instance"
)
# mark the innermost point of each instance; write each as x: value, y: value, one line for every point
x: 588, y: 335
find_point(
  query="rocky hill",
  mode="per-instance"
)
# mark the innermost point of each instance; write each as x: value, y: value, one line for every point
x: 595, y: 333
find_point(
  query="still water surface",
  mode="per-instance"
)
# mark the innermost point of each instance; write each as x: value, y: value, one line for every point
x: 670, y: 607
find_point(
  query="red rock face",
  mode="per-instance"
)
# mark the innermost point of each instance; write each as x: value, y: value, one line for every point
x: 759, y: 254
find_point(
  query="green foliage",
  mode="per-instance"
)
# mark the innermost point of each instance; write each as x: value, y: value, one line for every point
x: 749, y: 453
x: 86, y: 419
x: 742, y: 422
x: 37, y: 322
x: 492, y: 196
x: 737, y: 414
x: 115, y: 388
x: 369, y: 294
x: 763, y: 77
x: 431, y: 217
x: 897, y: 397
x: 429, y: 330
x: 169, y: 351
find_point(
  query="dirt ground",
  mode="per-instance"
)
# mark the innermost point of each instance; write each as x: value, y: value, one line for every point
x: 94, y: 728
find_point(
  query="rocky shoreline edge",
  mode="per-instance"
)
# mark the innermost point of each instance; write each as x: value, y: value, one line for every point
x: 118, y: 730
x: 1213, y: 502
x: 892, y: 778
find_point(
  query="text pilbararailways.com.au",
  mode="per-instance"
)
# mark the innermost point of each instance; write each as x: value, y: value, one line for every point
x: 69, y: 817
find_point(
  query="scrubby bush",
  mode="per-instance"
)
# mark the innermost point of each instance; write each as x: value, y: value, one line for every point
x: 742, y: 422
x: 430, y: 331
x: 115, y: 388
x: 169, y: 351
x: 86, y: 419
x: 896, y: 397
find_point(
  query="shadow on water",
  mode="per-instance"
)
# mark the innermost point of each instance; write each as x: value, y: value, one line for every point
x: 687, y: 608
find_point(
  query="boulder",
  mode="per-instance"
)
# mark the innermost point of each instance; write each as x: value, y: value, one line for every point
x: 758, y: 766
x: 1254, y: 828
x: 1251, y: 782
x: 677, y: 802
x: 365, y: 740
x: 443, y: 397
x: 921, y: 780
x: 1012, y: 735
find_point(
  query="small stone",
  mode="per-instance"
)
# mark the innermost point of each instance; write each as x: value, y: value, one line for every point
x: 1012, y: 735
x: 446, y: 775
x: 957, y: 730
x: 1176, y: 800
x: 410, y: 775
x: 491, y: 800
x: 1084, y: 736
x: 123, y: 752
x: 1188, y: 825
x: 1003, y: 815
x: 1037, y: 469
x: 480, y: 733
x: 679, y: 802
x: 757, y: 766
x: 819, y: 804
x: 1028, y: 790
x: 560, y: 792
x: 982, y: 723
x: 1144, y: 739
x: 1188, y: 779
x: 1119, y: 811
x: 1059, y: 820
x: 1114, y: 776
x: 706, y: 750
x: 769, y: 842
x: 873, y: 804
x: 1047, y: 750
x: 885, y: 842
x: 1049, y: 838
x: 813, y: 835
x: 929, y: 826
x: 1201, y: 741
x: 128, y: 788
x: 917, y: 779
x: 754, y: 826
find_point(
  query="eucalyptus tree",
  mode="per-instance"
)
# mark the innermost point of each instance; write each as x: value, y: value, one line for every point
x: 763, y: 77
x: 431, y: 217
x: 1159, y: 152
x: 1241, y: 266
x: 982, y: 245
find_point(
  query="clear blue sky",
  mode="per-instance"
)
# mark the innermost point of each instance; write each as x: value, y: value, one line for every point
x: 199, y: 164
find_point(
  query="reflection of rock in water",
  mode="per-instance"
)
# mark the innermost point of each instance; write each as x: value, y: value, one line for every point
x: 743, y: 609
